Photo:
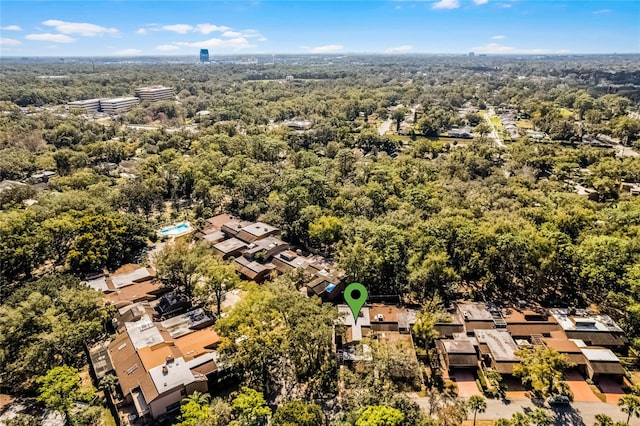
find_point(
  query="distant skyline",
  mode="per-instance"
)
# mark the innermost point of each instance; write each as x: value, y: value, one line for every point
x: 161, y: 27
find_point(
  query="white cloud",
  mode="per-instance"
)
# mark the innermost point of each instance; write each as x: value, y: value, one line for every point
x: 141, y: 31
x: 327, y: 48
x: 81, y: 28
x: 178, y: 28
x: 128, y: 52
x: 446, y: 4
x: 399, y: 49
x: 263, y: 39
x: 497, y: 37
x: 231, y: 34
x: 55, y: 38
x: 217, y: 43
x: 480, y: 1
x: 601, y: 11
x: 209, y: 28
x: 496, y: 48
x: 167, y: 47
x: 9, y: 42
x: 505, y: 5
x: 11, y: 28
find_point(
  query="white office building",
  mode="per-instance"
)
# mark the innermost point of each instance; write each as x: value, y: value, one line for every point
x: 154, y: 93
x: 118, y: 105
x: 88, y: 105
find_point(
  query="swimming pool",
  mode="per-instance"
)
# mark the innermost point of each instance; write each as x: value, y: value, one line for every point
x: 175, y: 230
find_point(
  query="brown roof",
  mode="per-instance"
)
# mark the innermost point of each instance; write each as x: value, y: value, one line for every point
x: 197, y: 343
x: 153, y: 356
x: 607, y: 368
x: 130, y: 369
x: 526, y: 330
x: 563, y: 346
x: 606, y: 339
x: 147, y: 290
x: 389, y: 313
x: 206, y: 368
x: 216, y: 222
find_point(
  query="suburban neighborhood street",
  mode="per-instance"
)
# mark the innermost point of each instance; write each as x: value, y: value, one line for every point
x: 578, y: 414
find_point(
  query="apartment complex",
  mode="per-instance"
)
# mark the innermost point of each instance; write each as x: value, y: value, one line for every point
x: 486, y: 336
x: 258, y: 253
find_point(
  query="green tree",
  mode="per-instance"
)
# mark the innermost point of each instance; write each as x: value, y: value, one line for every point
x: 194, y: 409
x: 250, y: 407
x: 219, y: 278
x: 380, y: 415
x: 630, y: 405
x: 541, y: 417
x: 109, y: 384
x: 45, y: 324
x: 297, y: 413
x: 60, y: 388
x: 542, y: 369
x: 180, y: 266
x: 476, y: 404
x: 603, y: 420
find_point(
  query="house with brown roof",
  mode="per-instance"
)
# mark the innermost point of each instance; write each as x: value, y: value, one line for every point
x: 158, y: 364
x: 457, y: 353
x: 524, y: 323
x: 569, y: 348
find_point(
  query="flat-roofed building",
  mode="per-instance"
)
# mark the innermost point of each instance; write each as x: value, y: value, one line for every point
x: 592, y: 329
x: 498, y: 350
x: 522, y: 324
x: 232, y: 247
x: 457, y: 353
x: 88, y: 105
x: 475, y: 316
x: 118, y: 105
x: 602, y: 362
x: 154, y: 93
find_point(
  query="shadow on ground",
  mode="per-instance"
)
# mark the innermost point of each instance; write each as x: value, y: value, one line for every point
x: 568, y: 416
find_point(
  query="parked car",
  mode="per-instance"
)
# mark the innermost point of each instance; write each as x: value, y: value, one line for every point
x: 558, y: 400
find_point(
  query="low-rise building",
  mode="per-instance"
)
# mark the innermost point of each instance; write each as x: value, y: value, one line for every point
x: 592, y: 329
x: 118, y: 105
x: 158, y: 364
x: 154, y: 93
x: 87, y: 105
x: 497, y: 350
x: 602, y: 362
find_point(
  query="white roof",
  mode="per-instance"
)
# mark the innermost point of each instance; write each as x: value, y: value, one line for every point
x: 346, y: 317
x: 123, y: 280
x: 599, y: 354
x: 177, y: 374
x: 143, y: 332
x: 99, y: 284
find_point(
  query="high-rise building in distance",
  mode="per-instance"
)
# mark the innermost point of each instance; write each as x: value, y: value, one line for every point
x: 204, y: 55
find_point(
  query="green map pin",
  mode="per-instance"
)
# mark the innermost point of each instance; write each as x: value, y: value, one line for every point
x: 356, y: 295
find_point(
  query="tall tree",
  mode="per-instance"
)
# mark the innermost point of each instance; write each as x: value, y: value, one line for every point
x: 60, y: 388
x: 476, y: 404
x: 380, y: 415
x: 180, y: 265
x: 219, y: 278
x: 630, y: 405
x: 542, y: 369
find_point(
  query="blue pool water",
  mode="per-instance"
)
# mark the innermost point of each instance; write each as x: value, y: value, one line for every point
x: 178, y: 229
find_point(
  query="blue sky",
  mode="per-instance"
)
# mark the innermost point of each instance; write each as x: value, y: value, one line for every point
x: 161, y: 27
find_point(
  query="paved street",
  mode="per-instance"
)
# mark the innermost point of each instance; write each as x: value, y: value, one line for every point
x: 578, y: 414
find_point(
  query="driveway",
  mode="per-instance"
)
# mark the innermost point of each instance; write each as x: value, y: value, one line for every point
x: 581, y: 390
x: 466, y: 383
x: 611, y: 390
